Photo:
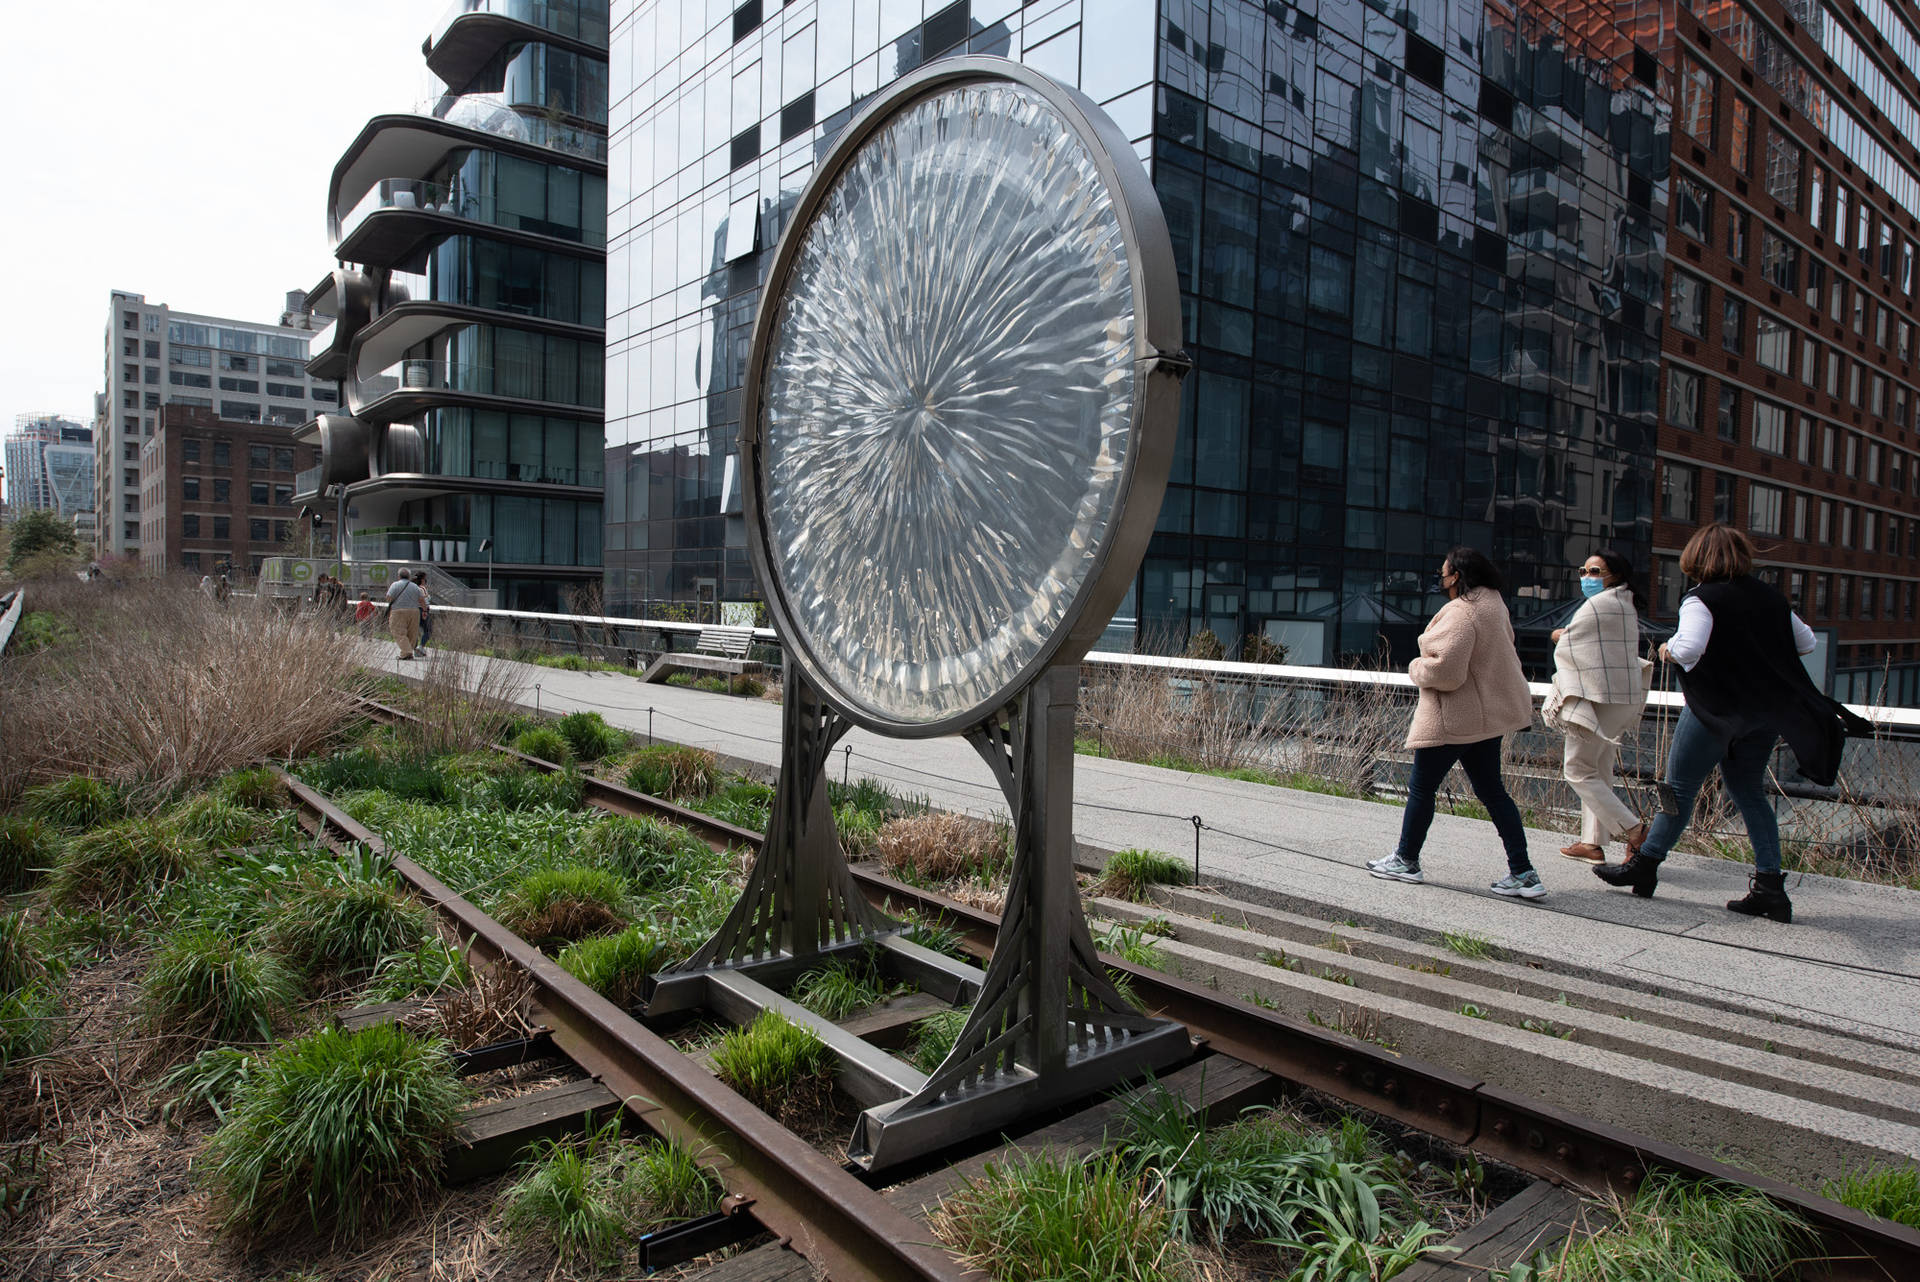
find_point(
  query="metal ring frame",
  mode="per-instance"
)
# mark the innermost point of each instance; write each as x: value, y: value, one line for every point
x: 1157, y: 358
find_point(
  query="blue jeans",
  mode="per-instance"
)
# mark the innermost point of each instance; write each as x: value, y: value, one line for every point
x: 1696, y: 750
x: 1481, y: 761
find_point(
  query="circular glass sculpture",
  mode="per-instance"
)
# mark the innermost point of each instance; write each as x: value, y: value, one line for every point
x: 945, y: 400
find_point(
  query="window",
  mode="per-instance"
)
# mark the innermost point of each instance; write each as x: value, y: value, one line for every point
x: 1783, y: 169
x: 1764, y: 504
x: 1780, y: 262
x: 258, y: 458
x: 1722, y: 497
x: 257, y: 492
x: 236, y: 362
x: 1873, y: 462
x: 190, y: 450
x: 1853, y: 383
x: 1687, y: 304
x: 1859, y: 312
x: 1846, y: 527
x: 251, y: 386
x: 257, y: 531
x: 282, y: 459
x: 1853, y: 455
x: 222, y: 527
x: 223, y: 453
x: 1692, y: 207
x: 151, y: 375
x: 1733, y: 320
x: 1826, y: 448
x: 1834, y: 365
x: 130, y: 452
x: 1740, y: 136
x: 1843, y: 590
x: 280, y: 529
x: 1696, y: 99
x: 132, y: 530
x: 1877, y: 399
x: 282, y: 495
x: 1863, y: 232
x: 1905, y: 347
x: 287, y: 391
x: 1886, y: 249
x: 1683, y: 398
x: 190, y: 526
x: 1822, y: 605
x: 240, y: 411
x: 1799, y: 520
x: 1817, y: 196
x: 130, y: 504
x: 1816, y: 282
x: 197, y: 356
x: 1669, y: 583
x: 1842, y: 208
x: 325, y: 394
x: 190, y: 488
x: 180, y: 378
x: 129, y: 320
x: 130, y: 476
x: 1896, y: 465
x: 1869, y: 531
x: 222, y: 490
x: 285, y: 369
x: 1679, y: 488
x: 1737, y: 235
x: 1803, y: 447
x: 1809, y: 362
x: 1882, y: 324
x: 1773, y: 343
x: 1729, y: 418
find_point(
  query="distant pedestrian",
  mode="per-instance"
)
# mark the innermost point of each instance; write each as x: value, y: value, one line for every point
x: 222, y: 588
x: 206, y: 586
x: 1472, y: 692
x: 1737, y: 646
x: 1599, y: 692
x: 426, y: 608
x: 363, y: 613
x: 403, y: 614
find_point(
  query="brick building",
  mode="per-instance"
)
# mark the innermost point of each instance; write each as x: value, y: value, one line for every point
x: 213, y: 490
x: 1789, y: 383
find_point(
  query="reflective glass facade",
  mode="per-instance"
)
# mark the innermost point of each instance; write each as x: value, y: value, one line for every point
x: 1421, y: 264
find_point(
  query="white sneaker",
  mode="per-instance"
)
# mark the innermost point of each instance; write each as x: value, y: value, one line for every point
x: 1394, y: 868
x: 1525, y: 885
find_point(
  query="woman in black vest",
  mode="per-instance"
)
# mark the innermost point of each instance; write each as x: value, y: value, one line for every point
x: 1738, y: 645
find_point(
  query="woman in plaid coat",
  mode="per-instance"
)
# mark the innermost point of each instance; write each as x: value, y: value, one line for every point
x: 1599, y: 691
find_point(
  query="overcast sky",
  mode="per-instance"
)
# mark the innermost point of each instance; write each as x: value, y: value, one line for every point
x: 178, y: 149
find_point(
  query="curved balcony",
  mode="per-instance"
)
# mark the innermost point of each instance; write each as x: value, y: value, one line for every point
x: 473, y: 31
x: 491, y: 113
x: 398, y: 214
x: 415, y: 384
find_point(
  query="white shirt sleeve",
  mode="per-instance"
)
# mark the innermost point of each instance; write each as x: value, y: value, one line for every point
x: 1689, y: 640
x: 1803, y: 638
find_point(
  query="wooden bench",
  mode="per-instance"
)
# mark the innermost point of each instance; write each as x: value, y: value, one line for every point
x: 716, y: 650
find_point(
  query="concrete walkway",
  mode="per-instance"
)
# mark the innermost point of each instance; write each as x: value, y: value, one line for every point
x: 1850, y: 961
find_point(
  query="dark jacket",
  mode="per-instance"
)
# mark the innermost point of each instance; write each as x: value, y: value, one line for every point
x: 1750, y: 680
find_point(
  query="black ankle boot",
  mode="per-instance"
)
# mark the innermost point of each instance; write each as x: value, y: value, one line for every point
x: 1766, y: 897
x: 1636, y: 872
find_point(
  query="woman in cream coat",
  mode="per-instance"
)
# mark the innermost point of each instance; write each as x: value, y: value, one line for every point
x: 1599, y: 691
x: 1472, y: 692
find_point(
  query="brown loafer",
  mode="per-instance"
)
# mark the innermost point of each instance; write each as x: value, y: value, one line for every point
x: 1635, y: 839
x: 1585, y: 853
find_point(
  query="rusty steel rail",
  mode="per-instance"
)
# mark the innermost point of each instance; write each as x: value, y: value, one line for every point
x: 817, y: 1207
x: 1530, y: 1135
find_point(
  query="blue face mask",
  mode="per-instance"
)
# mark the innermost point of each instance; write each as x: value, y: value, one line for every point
x: 1592, y: 585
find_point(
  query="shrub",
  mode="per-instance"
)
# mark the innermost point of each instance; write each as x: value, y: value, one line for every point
x: 569, y: 1200
x: 545, y: 743
x: 257, y: 788
x: 348, y: 918
x: 589, y: 736
x: 218, y: 824
x: 532, y: 789
x: 208, y: 982
x: 671, y: 771
x: 477, y: 767
x: 333, y: 1128
x: 748, y: 687
x: 934, y: 1036
x: 1130, y: 872
x: 1889, y: 1192
x: 1205, y: 645
x: 777, y: 1065
x: 210, y: 1079
x: 941, y: 845
x: 617, y: 966
x: 650, y: 853
x: 129, y: 860
x: 562, y: 905
x: 75, y: 803
x: 27, y: 848
x: 1041, y: 1218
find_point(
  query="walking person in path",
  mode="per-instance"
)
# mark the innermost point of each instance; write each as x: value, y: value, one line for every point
x: 403, y: 613
x: 1599, y: 692
x: 426, y: 608
x: 1737, y: 646
x: 1472, y: 692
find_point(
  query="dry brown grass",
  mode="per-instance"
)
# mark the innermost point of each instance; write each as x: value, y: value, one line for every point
x: 493, y: 1008
x: 163, y: 688
x: 942, y: 846
x: 463, y: 702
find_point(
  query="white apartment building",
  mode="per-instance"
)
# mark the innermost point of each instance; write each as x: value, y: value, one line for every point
x: 244, y: 371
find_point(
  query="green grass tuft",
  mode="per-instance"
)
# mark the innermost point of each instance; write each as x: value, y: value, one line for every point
x: 336, y: 1131
x: 363, y: 769
x: 742, y: 802
x: 546, y: 743
x: 257, y: 788
x: 558, y: 906
x: 1042, y: 1218
x: 560, y: 789
x: 74, y: 803
x: 208, y: 983
x: 219, y: 824
x: 131, y: 860
x: 665, y: 1182
x: 1471, y: 946
x: 209, y: 1080
x: 841, y: 987
x: 418, y: 972
x: 1130, y: 872
x: 650, y: 853
x: 28, y: 848
x: 777, y: 1065
x: 617, y: 966
x: 569, y: 1200
x: 1134, y: 945
x: 671, y: 771
x: 347, y: 918
x: 27, y: 1022
x: 934, y: 1036
x: 24, y: 953
x: 1888, y: 1192
x: 589, y: 735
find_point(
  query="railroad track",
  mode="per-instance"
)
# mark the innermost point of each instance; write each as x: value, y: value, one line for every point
x: 867, y: 1235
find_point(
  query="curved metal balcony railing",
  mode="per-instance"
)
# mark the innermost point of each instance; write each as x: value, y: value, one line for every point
x: 489, y: 113
x: 452, y: 202
x: 563, y: 19
x: 521, y: 382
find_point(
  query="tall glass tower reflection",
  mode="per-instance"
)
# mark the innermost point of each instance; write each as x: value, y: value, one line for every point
x: 1421, y: 256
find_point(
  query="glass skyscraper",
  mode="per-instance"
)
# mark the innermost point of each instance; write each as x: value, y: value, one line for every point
x: 1421, y: 253
x: 466, y: 311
